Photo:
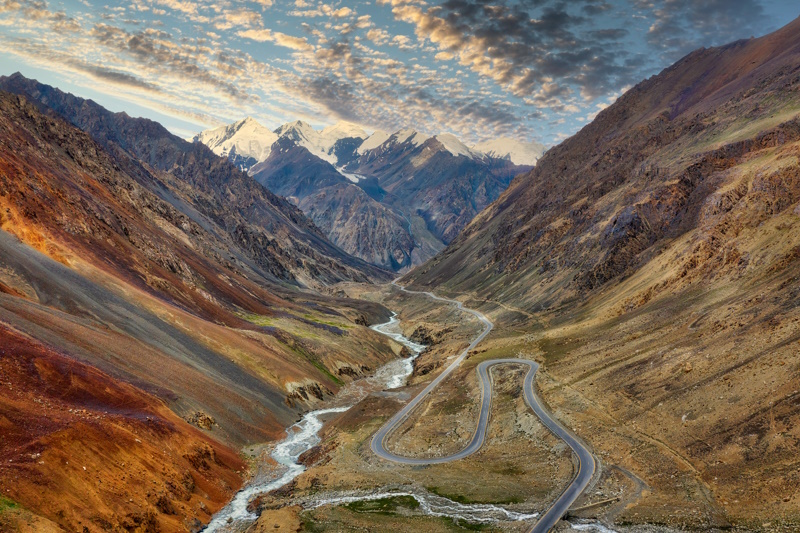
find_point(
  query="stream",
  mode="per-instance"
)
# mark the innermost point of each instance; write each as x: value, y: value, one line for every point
x: 303, y: 435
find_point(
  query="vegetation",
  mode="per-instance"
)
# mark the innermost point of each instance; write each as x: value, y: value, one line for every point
x: 384, y: 505
x: 7, y: 504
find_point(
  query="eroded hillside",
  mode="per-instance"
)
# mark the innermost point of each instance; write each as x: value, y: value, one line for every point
x: 127, y: 317
x: 655, y: 256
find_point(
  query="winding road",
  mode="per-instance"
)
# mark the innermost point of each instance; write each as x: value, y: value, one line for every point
x: 586, y: 462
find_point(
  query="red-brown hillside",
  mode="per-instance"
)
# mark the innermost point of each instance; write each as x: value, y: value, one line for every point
x: 89, y: 452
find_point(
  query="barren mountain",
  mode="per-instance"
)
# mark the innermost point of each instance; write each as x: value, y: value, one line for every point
x: 131, y: 298
x: 654, y: 256
x: 208, y: 188
x: 349, y: 217
x: 437, y: 180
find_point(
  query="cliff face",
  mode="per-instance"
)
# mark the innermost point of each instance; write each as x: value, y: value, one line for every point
x: 654, y: 258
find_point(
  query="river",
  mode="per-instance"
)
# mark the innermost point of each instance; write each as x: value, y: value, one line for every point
x: 303, y: 435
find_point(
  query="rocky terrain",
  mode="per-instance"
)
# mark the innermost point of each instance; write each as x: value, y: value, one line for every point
x: 85, y: 451
x: 653, y: 260
x: 151, y: 318
x: 437, y: 180
x: 209, y: 190
x: 521, y: 466
x: 349, y: 216
x: 393, y: 200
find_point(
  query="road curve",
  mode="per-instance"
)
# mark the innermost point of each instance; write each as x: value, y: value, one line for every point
x: 586, y: 462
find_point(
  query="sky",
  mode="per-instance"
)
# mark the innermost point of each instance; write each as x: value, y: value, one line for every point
x: 535, y: 70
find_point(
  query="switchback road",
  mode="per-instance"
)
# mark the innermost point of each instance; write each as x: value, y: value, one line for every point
x: 586, y: 462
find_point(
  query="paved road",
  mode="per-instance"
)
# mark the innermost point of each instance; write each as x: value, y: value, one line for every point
x: 586, y: 463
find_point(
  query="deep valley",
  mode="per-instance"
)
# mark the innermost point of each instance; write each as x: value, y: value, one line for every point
x: 349, y: 329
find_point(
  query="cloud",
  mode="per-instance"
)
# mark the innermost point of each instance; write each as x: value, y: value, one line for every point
x: 187, y: 7
x: 281, y: 39
x: 517, y: 48
x: 342, y: 12
x: 378, y: 36
x: 478, y: 68
x: 238, y: 17
x: 680, y: 26
x: 117, y: 77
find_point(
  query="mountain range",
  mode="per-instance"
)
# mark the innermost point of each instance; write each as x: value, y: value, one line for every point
x: 393, y: 200
x: 150, y: 289
x: 655, y: 258
x: 162, y: 311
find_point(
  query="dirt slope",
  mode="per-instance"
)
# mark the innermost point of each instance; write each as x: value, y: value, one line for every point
x: 654, y: 257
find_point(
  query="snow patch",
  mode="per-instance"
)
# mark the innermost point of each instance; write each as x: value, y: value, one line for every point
x: 456, y: 147
x: 246, y: 138
x: 320, y: 143
x: 343, y: 130
x: 409, y: 136
x: 516, y: 151
x: 373, y: 141
x: 355, y: 178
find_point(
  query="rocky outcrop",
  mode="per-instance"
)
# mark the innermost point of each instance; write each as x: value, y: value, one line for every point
x: 428, y: 336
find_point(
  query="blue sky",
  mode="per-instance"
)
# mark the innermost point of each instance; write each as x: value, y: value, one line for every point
x: 480, y: 69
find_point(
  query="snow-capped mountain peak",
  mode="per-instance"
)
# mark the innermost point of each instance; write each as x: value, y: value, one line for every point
x: 453, y: 145
x: 344, y: 130
x: 245, y: 142
x: 516, y: 151
x: 409, y: 136
x: 296, y: 130
x: 312, y: 140
x: 373, y: 141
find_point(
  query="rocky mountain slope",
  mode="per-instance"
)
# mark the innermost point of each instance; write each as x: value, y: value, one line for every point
x: 209, y: 189
x: 384, y: 197
x: 654, y: 258
x: 344, y: 211
x: 438, y: 180
x: 134, y: 301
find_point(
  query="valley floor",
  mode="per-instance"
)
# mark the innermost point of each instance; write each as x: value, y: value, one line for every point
x: 645, y: 482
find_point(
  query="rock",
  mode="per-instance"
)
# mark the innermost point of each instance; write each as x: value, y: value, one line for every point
x: 201, y: 420
x: 283, y: 520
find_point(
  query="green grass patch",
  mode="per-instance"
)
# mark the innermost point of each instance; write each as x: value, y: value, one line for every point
x: 388, y: 505
x: 312, y: 318
x: 462, y: 524
x: 314, y: 361
x: 7, y: 505
x: 325, y: 371
x: 454, y: 497
x: 258, y: 320
x: 458, y: 498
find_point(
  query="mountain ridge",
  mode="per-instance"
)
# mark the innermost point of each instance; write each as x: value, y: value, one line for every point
x: 653, y: 257
x: 342, y: 174
x: 248, y: 209
x: 141, y: 320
